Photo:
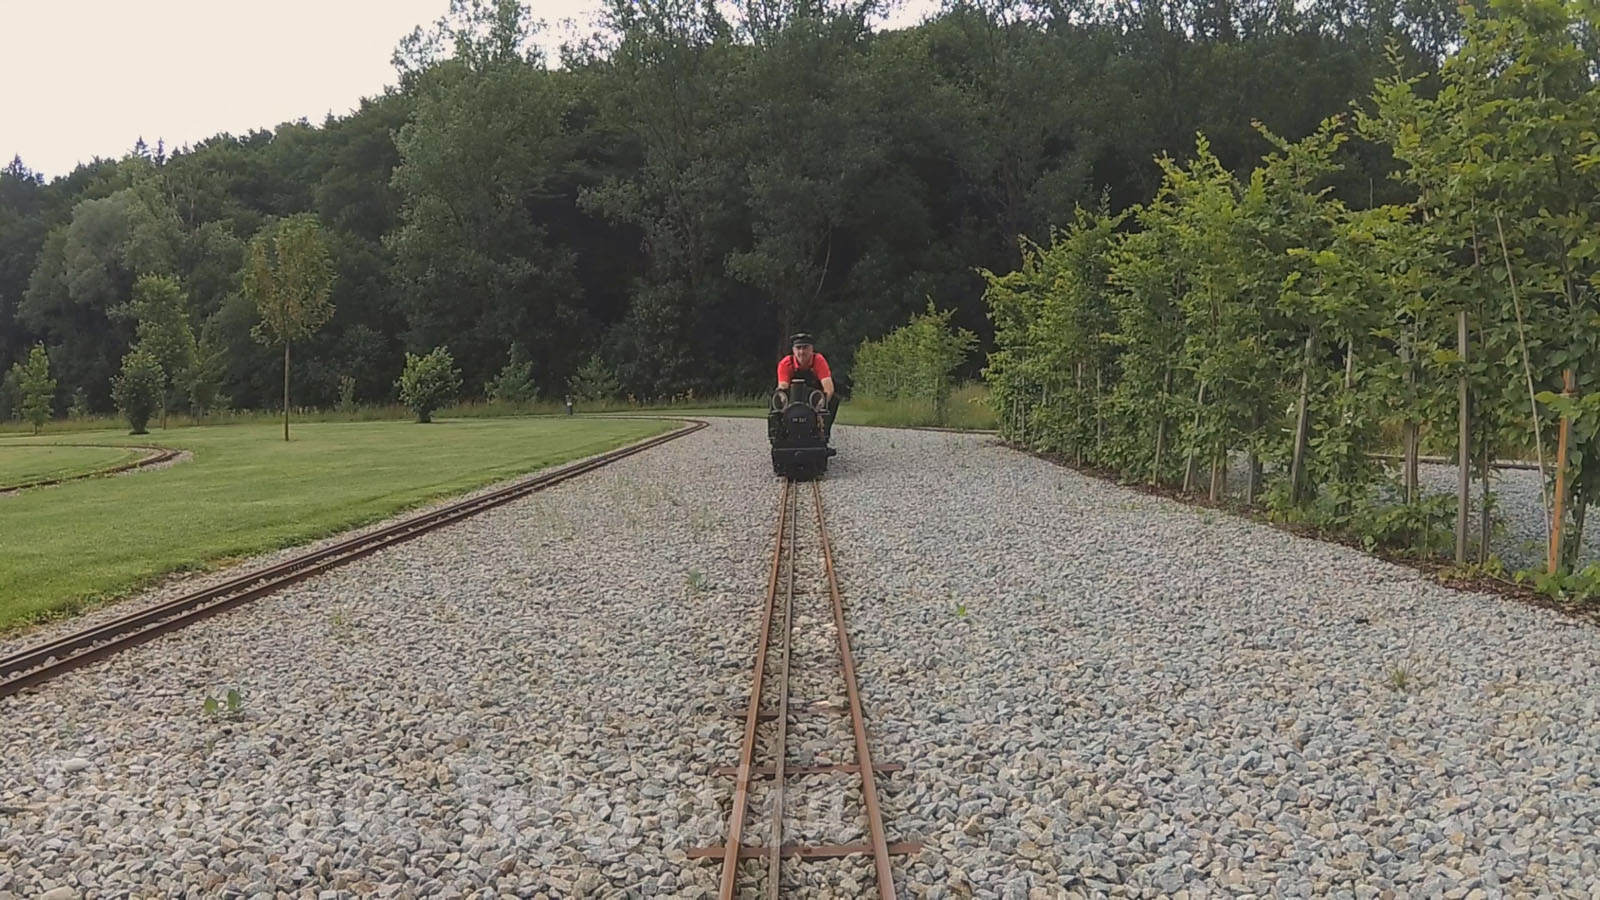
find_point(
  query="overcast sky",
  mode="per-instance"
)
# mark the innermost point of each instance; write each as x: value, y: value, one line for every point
x: 90, y: 77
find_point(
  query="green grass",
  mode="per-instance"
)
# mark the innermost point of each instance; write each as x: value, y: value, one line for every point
x: 23, y: 464
x: 247, y: 491
x: 376, y: 413
x: 967, y: 408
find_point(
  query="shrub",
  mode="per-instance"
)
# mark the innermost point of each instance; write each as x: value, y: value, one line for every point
x: 428, y: 382
x: 347, y: 394
x: 594, y: 381
x: 514, y: 384
x: 138, y: 389
x: 37, y: 388
x: 917, y: 361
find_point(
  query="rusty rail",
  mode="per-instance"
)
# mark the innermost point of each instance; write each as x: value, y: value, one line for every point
x: 747, y: 771
x: 38, y: 664
x: 154, y: 456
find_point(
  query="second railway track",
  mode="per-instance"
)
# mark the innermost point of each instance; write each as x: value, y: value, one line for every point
x: 38, y: 664
x: 803, y: 591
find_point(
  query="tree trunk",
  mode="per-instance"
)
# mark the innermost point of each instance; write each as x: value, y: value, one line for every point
x: 1575, y: 541
x: 1464, y: 441
x: 1302, y: 427
x: 1161, y: 427
x: 1409, y: 432
x: 1189, y: 468
x: 1077, y: 433
x: 285, y: 390
x: 1219, y: 474
x: 1099, y: 424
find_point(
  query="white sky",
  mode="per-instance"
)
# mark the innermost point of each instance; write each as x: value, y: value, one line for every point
x: 80, y: 78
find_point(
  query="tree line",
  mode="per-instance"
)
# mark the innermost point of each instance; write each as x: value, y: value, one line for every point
x: 1261, y: 315
x: 655, y: 214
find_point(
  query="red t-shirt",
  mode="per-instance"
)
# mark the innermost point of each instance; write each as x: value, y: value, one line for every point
x: 787, y: 368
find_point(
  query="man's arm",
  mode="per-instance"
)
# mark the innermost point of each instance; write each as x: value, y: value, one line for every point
x: 827, y: 387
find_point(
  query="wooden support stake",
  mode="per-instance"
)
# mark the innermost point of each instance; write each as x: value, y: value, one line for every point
x: 1188, y: 469
x: 1409, y: 433
x: 1556, y: 521
x: 1464, y: 439
x: 1161, y: 427
x: 1302, y: 427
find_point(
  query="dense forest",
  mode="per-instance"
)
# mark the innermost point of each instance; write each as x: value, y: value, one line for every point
x: 678, y: 192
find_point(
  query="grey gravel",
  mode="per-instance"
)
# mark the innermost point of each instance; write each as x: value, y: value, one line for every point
x: 1099, y: 691
x: 526, y: 703
x: 1096, y: 693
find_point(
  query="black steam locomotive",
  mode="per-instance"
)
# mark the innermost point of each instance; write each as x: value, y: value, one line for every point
x: 798, y: 426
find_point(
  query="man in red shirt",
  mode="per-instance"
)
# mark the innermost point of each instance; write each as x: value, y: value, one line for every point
x: 806, y: 364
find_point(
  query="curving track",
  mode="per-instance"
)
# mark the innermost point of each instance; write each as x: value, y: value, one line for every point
x: 154, y: 456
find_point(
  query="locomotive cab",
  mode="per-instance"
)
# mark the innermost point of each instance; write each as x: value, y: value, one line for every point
x: 797, y: 429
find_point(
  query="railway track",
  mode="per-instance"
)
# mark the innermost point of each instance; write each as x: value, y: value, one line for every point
x: 775, y: 651
x: 36, y: 665
x: 153, y: 456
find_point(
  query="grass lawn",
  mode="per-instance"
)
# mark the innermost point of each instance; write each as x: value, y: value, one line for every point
x: 246, y: 491
x: 24, y: 464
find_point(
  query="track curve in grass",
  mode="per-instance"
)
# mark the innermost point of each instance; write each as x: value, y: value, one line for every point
x: 28, y: 466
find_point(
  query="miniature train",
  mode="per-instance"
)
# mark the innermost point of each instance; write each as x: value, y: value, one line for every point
x: 799, y: 426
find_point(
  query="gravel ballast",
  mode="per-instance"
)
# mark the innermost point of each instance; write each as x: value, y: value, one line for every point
x: 1102, y: 692
x: 1094, y: 692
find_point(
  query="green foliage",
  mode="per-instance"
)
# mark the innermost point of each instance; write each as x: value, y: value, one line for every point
x: 594, y: 382
x: 289, y: 277
x: 428, y: 382
x: 137, y: 390
x: 164, y: 332
x: 36, y: 388
x: 230, y: 706
x: 11, y: 395
x: 694, y: 181
x: 1581, y: 586
x: 347, y: 394
x: 207, y: 372
x: 1239, y: 313
x: 916, y: 361
x: 514, y: 384
x: 696, y: 581
x: 79, y: 410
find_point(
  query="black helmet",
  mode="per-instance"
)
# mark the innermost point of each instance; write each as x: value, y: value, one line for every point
x: 801, y: 339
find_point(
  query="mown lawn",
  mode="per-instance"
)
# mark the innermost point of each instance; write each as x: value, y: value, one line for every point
x: 247, y: 491
x: 24, y: 464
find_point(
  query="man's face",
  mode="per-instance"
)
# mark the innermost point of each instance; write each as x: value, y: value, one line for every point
x: 803, y: 354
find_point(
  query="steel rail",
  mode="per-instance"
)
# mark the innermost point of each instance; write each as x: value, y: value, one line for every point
x: 880, y: 841
x: 38, y: 664
x: 775, y: 839
x: 747, y: 751
x: 774, y: 849
x: 154, y: 456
